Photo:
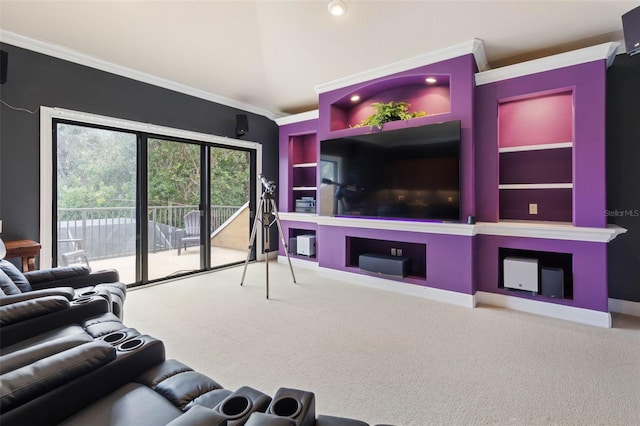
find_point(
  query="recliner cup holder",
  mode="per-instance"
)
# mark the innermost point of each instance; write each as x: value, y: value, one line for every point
x: 115, y: 337
x: 236, y: 407
x: 286, y: 407
x: 130, y: 345
x: 83, y: 299
x: 89, y: 293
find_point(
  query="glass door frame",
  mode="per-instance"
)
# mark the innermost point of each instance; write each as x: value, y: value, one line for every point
x: 48, y: 171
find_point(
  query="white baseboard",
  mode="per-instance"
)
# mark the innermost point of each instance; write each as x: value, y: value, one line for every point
x: 446, y: 296
x: 626, y: 307
x: 570, y: 313
x: 298, y: 263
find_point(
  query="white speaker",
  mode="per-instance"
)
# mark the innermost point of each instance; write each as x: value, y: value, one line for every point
x: 306, y: 245
x: 521, y: 273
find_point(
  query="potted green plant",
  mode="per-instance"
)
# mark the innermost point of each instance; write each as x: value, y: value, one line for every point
x: 390, y: 111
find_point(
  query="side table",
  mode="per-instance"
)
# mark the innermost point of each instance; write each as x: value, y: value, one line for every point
x: 26, y: 249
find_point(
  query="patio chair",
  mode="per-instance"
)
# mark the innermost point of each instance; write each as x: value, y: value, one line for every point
x: 190, y: 234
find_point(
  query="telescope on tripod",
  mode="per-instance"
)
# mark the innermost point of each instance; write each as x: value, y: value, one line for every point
x: 267, y: 214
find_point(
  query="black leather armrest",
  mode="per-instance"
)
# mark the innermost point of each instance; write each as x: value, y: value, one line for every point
x: 44, y: 314
x: 66, y: 292
x: 72, y: 276
x: 178, y: 383
x: 26, y: 383
x: 31, y: 308
x: 31, y: 354
x: 199, y: 416
x: 264, y: 419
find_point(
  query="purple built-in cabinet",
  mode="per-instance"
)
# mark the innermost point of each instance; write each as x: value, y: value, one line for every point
x: 501, y: 120
x: 585, y: 85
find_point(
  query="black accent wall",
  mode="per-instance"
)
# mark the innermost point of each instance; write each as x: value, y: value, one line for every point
x: 35, y: 79
x: 623, y: 175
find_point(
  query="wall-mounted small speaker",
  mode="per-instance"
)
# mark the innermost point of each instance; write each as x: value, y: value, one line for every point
x: 4, y: 63
x: 242, y: 124
x: 631, y: 28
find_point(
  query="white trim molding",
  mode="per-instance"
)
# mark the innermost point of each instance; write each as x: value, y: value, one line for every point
x: 474, y: 47
x: 570, y: 313
x: 298, y: 118
x: 606, y: 51
x: 92, y: 62
x: 47, y: 174
x: 446, y: 296
x: 626, y: 307
x: 552, y: 231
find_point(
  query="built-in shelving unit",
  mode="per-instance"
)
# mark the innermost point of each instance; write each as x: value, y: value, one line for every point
x: 531, y: 174
x: 303, y: 167
x: 535, y: 145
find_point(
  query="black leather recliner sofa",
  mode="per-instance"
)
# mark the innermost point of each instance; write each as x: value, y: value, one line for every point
x: 80, y: 278
x: 68, y: 360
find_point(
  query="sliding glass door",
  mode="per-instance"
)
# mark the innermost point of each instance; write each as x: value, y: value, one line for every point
x: 96, y: 184
x: 174, y: 175
x: 150, y: 206
x: 230, y: 192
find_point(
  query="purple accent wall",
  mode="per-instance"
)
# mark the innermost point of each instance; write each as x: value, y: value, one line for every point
x: 448, y: 260
x: 544, y: 166
x: 589, y: 268
x: 588, y: 84
x: 537, y: 120
x: 553, y: 204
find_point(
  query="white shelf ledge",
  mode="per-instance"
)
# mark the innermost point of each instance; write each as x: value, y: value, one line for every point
x: 550, y: 230
x: 536, y: 186
x: 304, y: 165
x: 539, y: 147
x: 304, y: 188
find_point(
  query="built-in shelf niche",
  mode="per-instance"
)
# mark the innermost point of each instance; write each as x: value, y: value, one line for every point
x: 293, y: 244
x: 303, y: 165
x: 417, y: 252
x: 535, y: 145
x: 433, y: 98
x: 558, y: 261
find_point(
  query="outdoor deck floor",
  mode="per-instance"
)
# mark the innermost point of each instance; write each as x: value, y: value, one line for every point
x: 167, y: 263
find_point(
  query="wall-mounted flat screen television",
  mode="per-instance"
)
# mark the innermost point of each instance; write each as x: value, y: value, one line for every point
x: 411, y: 173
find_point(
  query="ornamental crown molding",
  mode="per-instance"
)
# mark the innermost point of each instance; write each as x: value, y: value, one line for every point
x: 474, y: 47
x: 606, y: 51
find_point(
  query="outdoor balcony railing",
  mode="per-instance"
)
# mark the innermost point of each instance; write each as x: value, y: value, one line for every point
x: 107, y: 232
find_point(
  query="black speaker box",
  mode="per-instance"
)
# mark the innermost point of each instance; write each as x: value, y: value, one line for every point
x: 386, y: 265
x: 4, y: 63
x: 293, y: 245
x: 242, y: 124
x: 631, y: 28
x: 552, y: 282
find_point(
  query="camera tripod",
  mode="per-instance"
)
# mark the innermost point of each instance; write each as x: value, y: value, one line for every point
x: 267, y: 213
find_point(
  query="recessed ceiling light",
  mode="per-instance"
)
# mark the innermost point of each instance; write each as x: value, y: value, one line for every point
x: 337, y: 7
x: 431, y: 80
x: 355, y: 98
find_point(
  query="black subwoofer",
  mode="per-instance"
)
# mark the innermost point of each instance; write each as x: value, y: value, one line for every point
x: 552, y: 282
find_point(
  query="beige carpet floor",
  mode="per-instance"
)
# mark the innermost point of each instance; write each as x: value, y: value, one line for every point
x: 389, y: 358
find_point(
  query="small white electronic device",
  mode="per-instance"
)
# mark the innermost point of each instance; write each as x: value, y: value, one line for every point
x: 521, y: 273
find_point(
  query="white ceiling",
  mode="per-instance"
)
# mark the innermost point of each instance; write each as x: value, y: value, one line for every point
x: 271, y: 54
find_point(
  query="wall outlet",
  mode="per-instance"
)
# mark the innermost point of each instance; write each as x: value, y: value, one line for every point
x: 399, y: 252
x: 393, y: 252
x: 533, y: 209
